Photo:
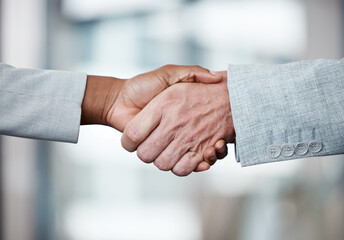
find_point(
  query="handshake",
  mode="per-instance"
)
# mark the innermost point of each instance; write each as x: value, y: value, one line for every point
x: 177, y: 117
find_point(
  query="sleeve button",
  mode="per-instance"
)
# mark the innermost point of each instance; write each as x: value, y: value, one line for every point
x: 315, y: 146
x: 287, y: 150
x: 274, y: 151
x: 301, y: 149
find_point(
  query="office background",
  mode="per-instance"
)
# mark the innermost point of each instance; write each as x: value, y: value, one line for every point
x: 96, y: 190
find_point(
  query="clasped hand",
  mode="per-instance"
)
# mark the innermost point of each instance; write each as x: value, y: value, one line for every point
x: 177, y: 117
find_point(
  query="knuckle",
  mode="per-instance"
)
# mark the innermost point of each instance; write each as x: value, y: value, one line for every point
x: 144, y: 155
x: 132, y: 134
x: 181, y: 172
x: 161, y: 165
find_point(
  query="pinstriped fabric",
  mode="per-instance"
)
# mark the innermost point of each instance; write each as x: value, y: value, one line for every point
x: 288, y: 103
x: 41, y: 104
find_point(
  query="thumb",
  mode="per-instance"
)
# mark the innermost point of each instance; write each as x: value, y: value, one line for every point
x: 210, y: 77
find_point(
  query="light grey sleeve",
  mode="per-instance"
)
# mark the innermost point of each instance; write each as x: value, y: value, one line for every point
x: 288, y: 111
x: 41, y: 104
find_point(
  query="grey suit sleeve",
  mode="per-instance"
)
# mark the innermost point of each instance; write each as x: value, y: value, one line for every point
x: 289, y: 111
x: 41, y: 104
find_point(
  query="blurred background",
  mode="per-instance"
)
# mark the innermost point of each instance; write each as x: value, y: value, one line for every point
x: 96, y: 190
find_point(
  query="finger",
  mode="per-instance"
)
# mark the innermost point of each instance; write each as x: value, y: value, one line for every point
x: 191, y: 74
x: 187, y: 164
x: 155, y: 144
x: 221, y: 149
x: 170, y: 156
x: 202, y: 166
x: 209, y: 155
x: 139, y: 128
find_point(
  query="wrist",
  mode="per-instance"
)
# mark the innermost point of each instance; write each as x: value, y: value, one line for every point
x: 100, y: 94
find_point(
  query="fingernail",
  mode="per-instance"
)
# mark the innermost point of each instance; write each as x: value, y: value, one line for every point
x: 213, y: 158
x: 219, y: 144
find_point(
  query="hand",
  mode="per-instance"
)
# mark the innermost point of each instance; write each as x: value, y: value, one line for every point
x: 114, y: 102
x: 175, y: 128
x: 138, y: 91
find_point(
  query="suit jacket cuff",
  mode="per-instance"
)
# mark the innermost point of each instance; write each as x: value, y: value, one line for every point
x: 283, y: 106
x: 41, y: 104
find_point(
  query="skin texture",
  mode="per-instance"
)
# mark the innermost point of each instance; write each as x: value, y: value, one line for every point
x: 177, y: 126
x: 114, y: 102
